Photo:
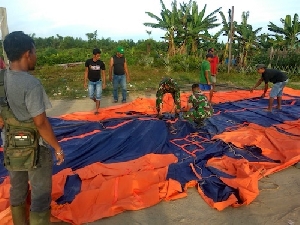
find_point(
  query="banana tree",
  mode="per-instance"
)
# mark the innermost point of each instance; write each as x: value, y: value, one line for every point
x: 168, y: 22
x: 247, y: 38
x: 199, y: 25
x: 184, y: 26
x: 226, y: 29
x: 290, y: 30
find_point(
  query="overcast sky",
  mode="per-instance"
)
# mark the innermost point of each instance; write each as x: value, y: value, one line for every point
x: 119, y: 19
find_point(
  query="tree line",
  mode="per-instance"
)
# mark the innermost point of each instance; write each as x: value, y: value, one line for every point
x: 186, y: 40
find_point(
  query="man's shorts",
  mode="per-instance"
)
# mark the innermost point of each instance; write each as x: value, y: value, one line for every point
x: 277, y: 88
x: 95, y: 90
x: 214, y: 79
x: 205, y: 87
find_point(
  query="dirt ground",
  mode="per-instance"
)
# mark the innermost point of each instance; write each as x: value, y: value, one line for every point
x: 277, y: 204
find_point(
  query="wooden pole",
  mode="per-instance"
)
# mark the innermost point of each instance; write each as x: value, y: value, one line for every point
x: 230, y: 39
x: 4, y: 29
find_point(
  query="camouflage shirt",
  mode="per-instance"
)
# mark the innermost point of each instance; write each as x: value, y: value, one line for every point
x: 173, y: 90
x: 201, y: 107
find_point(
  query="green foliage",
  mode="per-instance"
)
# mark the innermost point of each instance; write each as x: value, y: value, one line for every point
x: 67, y: 83
x: 184, y: 63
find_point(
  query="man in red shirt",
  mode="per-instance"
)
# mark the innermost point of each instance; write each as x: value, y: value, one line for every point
x: 2, y: 63
x: 213, y: 68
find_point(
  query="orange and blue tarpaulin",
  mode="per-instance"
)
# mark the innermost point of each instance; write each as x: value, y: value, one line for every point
x: 127, y: 159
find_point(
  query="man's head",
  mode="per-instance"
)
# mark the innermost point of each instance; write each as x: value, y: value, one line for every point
x: 120, y: 51
x: 20, y: 47
x: 209, y: 56
x: 211, y: 50
x: 195, y: 87
x: 261, y: 68
x: 96, y: 53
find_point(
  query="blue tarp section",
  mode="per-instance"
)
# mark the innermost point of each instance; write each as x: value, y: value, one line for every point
x: 138, y: 137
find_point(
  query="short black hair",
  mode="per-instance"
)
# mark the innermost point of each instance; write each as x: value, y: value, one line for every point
x: 16, y: 44
x: 195, y: 86
x: 210, y: 50
x: 209, y: 55
x: 96, y: 51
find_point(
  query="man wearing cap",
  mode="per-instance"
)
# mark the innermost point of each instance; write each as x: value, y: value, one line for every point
x: 278, y: 78
x: 95, y: 74
x: 118, y: 74
x: 205, y: 76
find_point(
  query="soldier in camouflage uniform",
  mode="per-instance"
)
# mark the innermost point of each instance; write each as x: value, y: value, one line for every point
x: 199, y: 108
x: 167, y: 85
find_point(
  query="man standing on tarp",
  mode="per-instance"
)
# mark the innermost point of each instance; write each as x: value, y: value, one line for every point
x: 279, y: 80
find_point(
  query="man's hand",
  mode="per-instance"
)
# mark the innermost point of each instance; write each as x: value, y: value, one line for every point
x: 60, y: 157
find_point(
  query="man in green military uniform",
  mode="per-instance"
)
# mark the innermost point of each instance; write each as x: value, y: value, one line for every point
x: 167, y: 85
x: 198, y: 108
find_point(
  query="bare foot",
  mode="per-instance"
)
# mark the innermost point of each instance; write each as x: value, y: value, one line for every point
x: 268, y: 110
x: 96, y: 113
x: 279, y: 108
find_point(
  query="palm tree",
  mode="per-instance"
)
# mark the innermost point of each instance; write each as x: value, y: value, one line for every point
x: 184, y: 26
x: 290, y: 30
x: 247, y: 37
x: 168, y: 22
x: 199, y: 25
x: 226, y: 31
x: 148, y: 42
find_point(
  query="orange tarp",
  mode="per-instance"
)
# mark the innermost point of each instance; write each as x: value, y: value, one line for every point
x: 147, y: 105
x: 274, y: 144
x: 108, y: 189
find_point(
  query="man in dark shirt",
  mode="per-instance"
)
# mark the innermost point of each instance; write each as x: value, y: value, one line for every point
x: 95, y: 73
x: 118, y: 74
x: 278, y: 78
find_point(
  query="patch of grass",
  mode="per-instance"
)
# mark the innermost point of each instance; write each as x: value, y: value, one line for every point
x: 67, y: 83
